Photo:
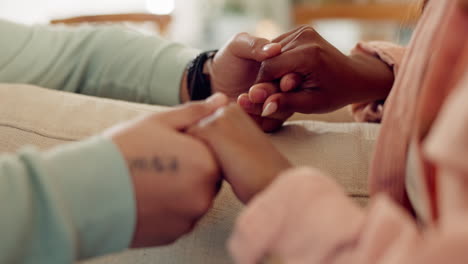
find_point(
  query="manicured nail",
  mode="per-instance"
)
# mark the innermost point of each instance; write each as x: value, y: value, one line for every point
x: 270, y: 109
x: 267, y: 47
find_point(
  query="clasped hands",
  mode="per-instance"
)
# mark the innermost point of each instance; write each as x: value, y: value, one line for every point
x: 176, y: 158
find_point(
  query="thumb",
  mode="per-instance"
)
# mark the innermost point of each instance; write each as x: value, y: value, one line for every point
x: 187, y: 115
x: 246, y: 46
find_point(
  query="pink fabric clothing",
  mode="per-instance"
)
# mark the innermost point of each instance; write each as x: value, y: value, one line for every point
x: 392, y: 55
x: 431, y: 70
x: 304, y: 217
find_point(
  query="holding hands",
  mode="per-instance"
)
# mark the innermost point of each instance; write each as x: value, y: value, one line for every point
x: 176, y: 159
x: 312, y: 76
x: 175, y: 177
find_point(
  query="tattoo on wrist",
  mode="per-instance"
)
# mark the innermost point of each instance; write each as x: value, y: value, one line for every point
x: 154, y: 164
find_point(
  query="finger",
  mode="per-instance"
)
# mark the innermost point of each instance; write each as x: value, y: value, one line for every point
x: 251, y: 239
x: 306, y: 35
x: 249, y: 106
x: 304, y: 101
x: 270, y: 125
x: 261, y: 91
x: 288, y: 62
x: 267, y: 124
x: 189, y: 114
x: 258, y: 109
x: 286, y: 35
x: 290, y: 82
x: 247, y: 46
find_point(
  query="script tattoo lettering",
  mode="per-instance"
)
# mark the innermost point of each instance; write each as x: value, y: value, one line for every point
x: 154, y: 164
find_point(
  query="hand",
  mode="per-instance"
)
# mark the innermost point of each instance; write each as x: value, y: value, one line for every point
x: 248, y: 159
x: 235, y: 67
x: 257, y: 108
x: 175, y: 176
x: 303, y: 217
x: 314, y: 77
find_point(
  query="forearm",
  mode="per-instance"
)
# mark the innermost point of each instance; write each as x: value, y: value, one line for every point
x: 108, y: 62
x: 377, y: 80
x: 391, y: 56
x: 59, y: 206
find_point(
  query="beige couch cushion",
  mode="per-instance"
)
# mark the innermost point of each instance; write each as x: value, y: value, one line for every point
x: 34, y: 116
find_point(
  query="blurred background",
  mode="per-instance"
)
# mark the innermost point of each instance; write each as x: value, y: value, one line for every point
x: 208, y: 24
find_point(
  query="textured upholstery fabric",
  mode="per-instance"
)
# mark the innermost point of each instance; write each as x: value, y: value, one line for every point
x: 45, y: 118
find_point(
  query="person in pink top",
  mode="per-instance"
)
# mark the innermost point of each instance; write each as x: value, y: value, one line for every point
x: 419, y: 177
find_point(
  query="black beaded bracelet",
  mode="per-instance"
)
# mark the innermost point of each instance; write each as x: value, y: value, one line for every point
x: 199, y: 84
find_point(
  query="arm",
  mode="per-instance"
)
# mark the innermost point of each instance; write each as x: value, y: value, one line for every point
x: 312, y: 76
x: 103, y: 195
x: 384, y: 233
x: 58, y: 205
x: 111, y: 62
x: 107, y: 62
x: 391, y: 55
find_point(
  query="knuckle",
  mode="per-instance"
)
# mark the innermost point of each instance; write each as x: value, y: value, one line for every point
x: 309, y: 31
x: 254, y: 42
x: 219, y: 121
x: 314, y: 50
x: 202, y: 205
x: 301, y: 28
x: 307, y: 34
x: 254, y: 45
x: 198, y: 108
x: 240, y: 35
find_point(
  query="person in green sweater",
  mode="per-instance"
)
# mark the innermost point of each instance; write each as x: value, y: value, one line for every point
x: 140, y: 184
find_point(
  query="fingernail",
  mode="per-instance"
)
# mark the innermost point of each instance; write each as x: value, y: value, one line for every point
x: 267, y: 47
x: 246, y: 104
x: 270, y: 109
x: 258, y: 96
x: 215, y: 99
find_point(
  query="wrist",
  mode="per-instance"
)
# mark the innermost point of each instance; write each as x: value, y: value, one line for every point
x: 372, y: 78
x: 198, y: 77
x: 184, y: 91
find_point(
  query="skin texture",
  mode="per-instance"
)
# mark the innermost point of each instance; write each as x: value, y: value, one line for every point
x: 175, y: 176
x: 232, y: 135
x: 312, y: 76
x: 297, y: 219
x: 235, y: 67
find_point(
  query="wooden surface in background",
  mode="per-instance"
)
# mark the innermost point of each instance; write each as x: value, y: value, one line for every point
x: 162, y: 21
x: 401, y: 13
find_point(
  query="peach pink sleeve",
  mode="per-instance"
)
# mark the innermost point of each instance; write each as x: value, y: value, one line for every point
x: 392, y: 55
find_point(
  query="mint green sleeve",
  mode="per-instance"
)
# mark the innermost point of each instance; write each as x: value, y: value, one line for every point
x: 60, y: 206
x: 102, y: 61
